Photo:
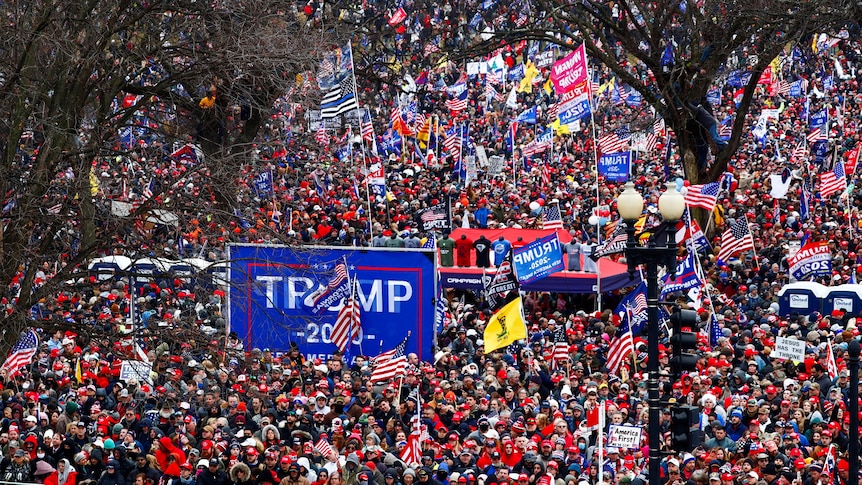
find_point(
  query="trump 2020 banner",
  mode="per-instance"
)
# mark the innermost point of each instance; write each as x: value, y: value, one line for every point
x: 542, y: 257
x: 813, y: 259
x: 615, y: 167
x: 273, y: 290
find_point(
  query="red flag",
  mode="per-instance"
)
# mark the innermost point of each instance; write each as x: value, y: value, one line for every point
x: 399, y: 16
x: 852, y: 160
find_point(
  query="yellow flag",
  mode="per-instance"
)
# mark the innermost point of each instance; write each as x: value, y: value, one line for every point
x: 549, y: 87
x: 606, y: 86
x: 530, y: 73
x: 560, y: 129
x: 94, y: 182
x: 506, y: 326
x: 78, y: 372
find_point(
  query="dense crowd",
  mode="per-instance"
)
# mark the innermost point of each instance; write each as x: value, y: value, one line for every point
x: 212, y: 412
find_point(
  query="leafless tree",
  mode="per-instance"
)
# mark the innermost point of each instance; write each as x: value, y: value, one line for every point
x: 706, y: 38
x: 95, y: 95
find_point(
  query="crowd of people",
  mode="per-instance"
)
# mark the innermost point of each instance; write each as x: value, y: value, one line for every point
x: 212, y: 412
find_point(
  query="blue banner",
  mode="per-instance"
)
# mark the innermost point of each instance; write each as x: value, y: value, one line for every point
x: 542, y: 257
x: 527, y: 116
x: 615, y: 167
x: 263, y: 184
x: 686, y: 277
x: 820, y: 149
x: 516, y: 73
x: 713, y: 96
x: 580, y: 108
x: 796, y: 89
x: 272, y: 292
x: 819, y: 119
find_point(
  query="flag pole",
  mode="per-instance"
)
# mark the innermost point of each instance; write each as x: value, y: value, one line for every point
x: 600, y: 442
x: 598, y: 195
x: 362, y: 142
x: 400, y: 383
x: 358, y: 322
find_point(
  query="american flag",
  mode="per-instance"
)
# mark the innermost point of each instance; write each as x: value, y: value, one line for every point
x: 366, y: 128
x: 561, y: 345
x: 833, y: 181
x: 491, y: 94
x: 736, y: 239
x: 390, y: 364
x: 457, y: 103
x: 324, y: 448
x: 615, y: 141
x: 452, y: 143
x: 783, y: 87
x: 22, y: 353
x: 644, y: 142
x: 622, y: 343
x: 347, y: 323
x: 551, y: 217
x: 800, y: 152
x: 432, y: 46
x: 321, y: 136
x: 831, y: 366
x: 817, y: 134
x: 552, y: 112
x: 703, y: 196
x: 412, y: 453
x: 494, y: 77
x: 546, y: 174
x: 534, y: 147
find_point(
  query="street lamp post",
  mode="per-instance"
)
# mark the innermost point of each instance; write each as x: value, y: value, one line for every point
x: 655, y: 254
x: 853, y: 396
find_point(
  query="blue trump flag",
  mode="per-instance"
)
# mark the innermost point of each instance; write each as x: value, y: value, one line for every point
x: 263, y: 184
x: 527, y: 116
x: 818, y: 119
x: 633, y: 309
x: 686, y: 277
x: 615, y: 167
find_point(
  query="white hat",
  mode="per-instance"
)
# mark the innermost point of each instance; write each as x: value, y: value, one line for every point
x: 31, y: 419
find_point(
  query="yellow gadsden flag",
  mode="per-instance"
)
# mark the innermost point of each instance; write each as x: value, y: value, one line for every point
x: 506, y: 326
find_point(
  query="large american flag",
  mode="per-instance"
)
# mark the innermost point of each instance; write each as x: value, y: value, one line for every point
x: 703, y: 196
x: 347, y: 324
x: 800, y: 152
x: 22, y: 353
x: 453, y: 141
x: 561, y: 345
x: 457, y: 103
x: 412, y: 453
x: 551, y: 217
x: 833, y: 181
x: 817, y: 134
x: 390, y: 364
x: 737, y: 238
x: 366, y: 127
x: 614, y: 142
x: 621, y: 346
x: 321, y: 136
x: 324, y: 448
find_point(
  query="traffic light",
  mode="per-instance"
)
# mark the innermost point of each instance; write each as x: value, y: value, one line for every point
x: 684, y: 342
x: 684, y: 428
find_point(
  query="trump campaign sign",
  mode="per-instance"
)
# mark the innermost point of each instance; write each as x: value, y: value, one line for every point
x: 813, y: 259
x: 570, y: 71
x: 274, y: 289
x: 542, y: 257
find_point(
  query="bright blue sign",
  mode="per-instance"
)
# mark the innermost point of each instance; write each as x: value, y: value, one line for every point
x: 273, y: 288
x: 580, y: 108
x: 615, y: 167
x: 542, y: 257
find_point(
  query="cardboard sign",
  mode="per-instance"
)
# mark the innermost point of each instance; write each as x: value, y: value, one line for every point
x: 788, y: 348
x: 624, y: 436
